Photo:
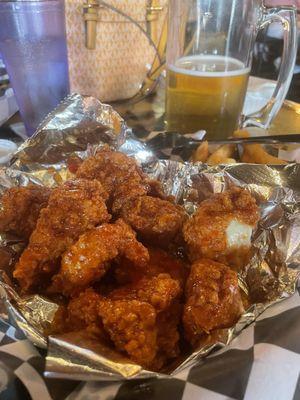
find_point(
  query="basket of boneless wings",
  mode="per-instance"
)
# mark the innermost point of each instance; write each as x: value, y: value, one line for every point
x: 125, y: 266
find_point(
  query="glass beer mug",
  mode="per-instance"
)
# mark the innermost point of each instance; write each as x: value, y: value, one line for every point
x: 209, y: 54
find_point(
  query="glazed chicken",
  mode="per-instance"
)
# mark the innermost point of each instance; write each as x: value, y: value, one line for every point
x: 72, y: 209
x: 122, y: 280
x: 213, y: 299
x: 131, y: 325
x: 167, y: 323
x: 138, y: 318
x: 160, y: 262
x: 131, y: 193
x: 20, y: 208
x: 159, y: 291
x: 81, y: 313
x: 163, y: 293
x: 157, y: 221
x: 88, y: 259
x: 222, y: 227
x: 118, y: 173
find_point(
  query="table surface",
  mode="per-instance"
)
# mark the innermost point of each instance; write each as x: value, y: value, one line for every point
x: 148, y: 115
x: 263, y: 362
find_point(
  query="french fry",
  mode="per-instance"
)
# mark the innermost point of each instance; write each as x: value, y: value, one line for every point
x: 201, y: 154
x: 255, y: 154
x: 222, y: 153
x: 241, y: 133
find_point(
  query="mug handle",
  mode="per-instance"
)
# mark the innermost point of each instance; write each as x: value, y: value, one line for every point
x: 287, y: 16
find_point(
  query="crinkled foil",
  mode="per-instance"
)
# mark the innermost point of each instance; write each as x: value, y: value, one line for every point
x: 78, y: 127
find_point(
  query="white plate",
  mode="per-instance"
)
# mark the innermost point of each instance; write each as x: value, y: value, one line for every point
x: 7, y: 148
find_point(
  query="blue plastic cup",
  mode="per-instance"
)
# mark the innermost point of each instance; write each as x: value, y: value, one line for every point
x: 34, y: 51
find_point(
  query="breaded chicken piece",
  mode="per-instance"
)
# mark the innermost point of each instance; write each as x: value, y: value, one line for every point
x: 160, y: 262
x: 126, y: 192
x: 80, y: 313
x: 20, y: 208
x: 114, y: 170
x: 160, y: 291
x: 83, y: 310
x: 168, y: 336
x: 163, y: 293
x: 88, y: 259
x: 140, y: 319
x: 121, y: 177
x: 213, y: 299
x: 221, y: 228
x: 156, y: 221
x: 131, y: 325
x: 72, y: 209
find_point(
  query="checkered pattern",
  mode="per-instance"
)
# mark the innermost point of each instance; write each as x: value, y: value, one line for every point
x: 263, y: 363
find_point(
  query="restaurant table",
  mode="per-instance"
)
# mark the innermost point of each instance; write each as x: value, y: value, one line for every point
x: 149, y: 115
x: 262, y: 363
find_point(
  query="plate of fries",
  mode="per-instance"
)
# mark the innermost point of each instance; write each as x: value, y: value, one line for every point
x: 253, y: 153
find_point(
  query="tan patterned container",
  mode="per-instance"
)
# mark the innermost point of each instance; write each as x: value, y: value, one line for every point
x: 118, y: 65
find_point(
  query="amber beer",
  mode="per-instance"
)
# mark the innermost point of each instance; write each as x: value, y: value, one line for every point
x: 205, y: 92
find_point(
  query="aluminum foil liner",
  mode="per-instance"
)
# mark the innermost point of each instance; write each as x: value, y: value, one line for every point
x: 77, y: 128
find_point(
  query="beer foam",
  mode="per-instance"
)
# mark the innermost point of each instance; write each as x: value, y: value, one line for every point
x: 239, y: 66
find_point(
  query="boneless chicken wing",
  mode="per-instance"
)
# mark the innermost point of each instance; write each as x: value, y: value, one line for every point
x: 114, y: 170
x: 156, y: 221
x: 163, y: 293
x: 80, y: 313
x: 167, y: 323
x: 83, y: 310
x: 121, y: 177
x: 131, y: 325
x: 115, y: 295
x: 221, y: 228
x: 213, y: 299
x: 20, y: 208
x: 160, y: 262
x: 88, y: 259
x: 159, y: 291
x: 73, y: 208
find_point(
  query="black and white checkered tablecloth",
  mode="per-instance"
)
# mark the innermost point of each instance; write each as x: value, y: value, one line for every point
x: 262, y: 363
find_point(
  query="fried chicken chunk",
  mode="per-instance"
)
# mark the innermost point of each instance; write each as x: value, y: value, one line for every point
x: 159, y: 291
x: 213, y: 299
x: 120, y: 176
x: 156, y: 221
x: 20, y: 208
x: 83, y: 310
x: 80, y: 313
x: 87, y: 260
x: 115, y: 171
x: 160, y: 262
x: 163, y: 293
x: 131, y: 325
x: 167, y: 335
x: 73, y: 208
x: 221, y: 228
